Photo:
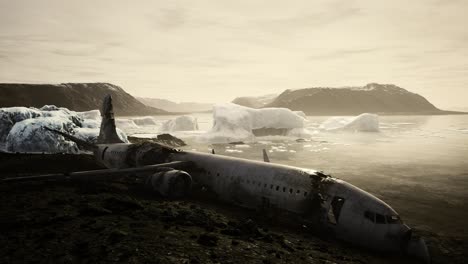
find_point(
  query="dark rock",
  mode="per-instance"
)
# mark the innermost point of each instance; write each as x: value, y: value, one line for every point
x: 286, y: 245
x: 237, y: 143
x: 209, y: 240
x: 94, y: 210
x: 231, y: 232
x: 121, y: 204
x: 170, y: 140
x: 117, y: 236
x: 165, y: 139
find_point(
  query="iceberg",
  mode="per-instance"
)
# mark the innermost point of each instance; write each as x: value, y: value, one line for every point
x: 90, y: 115
x: 145, y: 121
x: 9, y: 116
x: 181, y: 123
x: 30, y: 136
x: 232, y: 122
x: 362, y: 123
x: 125, y: 124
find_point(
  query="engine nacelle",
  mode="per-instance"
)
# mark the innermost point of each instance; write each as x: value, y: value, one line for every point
x: 170, y: 183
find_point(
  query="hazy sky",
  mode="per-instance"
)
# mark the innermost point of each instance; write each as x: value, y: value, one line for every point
x: 216, y: 50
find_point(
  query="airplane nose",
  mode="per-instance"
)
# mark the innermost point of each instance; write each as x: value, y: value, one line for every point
x: 406, y: 237
x: 414, y: 246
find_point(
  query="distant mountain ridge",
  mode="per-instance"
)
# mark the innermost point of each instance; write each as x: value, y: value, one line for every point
x: 176, y: 107
x: 74, y: 96
x: 371, y: 98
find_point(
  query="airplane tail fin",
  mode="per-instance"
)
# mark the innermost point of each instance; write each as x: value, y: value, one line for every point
x: 265, y: 156
x: 108, y: 133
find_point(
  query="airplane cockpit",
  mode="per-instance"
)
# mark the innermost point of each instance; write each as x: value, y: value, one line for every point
x: 359, y: 217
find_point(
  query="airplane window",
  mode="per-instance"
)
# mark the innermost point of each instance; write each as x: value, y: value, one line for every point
x: 217, y: 174
x: 370, y: 216
x: 379, y: 219
x: 290, y: 190
x: 277, y: 188
x: 305, y: 193
x: 284, y: 189
x: 393, y: 219
x: 298, y: 191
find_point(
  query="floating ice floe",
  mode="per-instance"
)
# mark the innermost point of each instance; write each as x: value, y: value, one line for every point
x: 180, y: 123
x: 233, y: 122
x: 362, y: 123
x: 125, y: 124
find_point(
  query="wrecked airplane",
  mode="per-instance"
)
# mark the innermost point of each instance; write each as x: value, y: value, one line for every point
x: 336, y: 206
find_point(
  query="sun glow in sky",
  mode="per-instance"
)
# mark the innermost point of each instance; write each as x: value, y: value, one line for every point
x: 210, y: 51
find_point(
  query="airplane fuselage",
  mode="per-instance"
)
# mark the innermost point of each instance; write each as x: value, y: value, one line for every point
x: 349, y: 212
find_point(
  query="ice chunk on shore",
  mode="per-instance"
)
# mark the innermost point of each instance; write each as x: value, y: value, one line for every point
x: 9, y: 116
x: 93, y: 115
x: 30, y: 136
x: 233, y: 122
x: 362, y: 123
x: 22, y: 129
x: 180, y: 123
x: 63, y: 113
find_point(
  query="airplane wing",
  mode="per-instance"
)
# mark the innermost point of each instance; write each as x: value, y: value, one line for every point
x: 104, y: 172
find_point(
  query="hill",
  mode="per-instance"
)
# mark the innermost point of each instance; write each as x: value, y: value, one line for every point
x: 184, y: 107
x: 74, y: 96
x: 372, y: 98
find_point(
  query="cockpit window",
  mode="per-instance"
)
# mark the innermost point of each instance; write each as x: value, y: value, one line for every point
x: 379, y: 219
x: 393, y: 219
x: 370, y: 216
x: 382, y: 219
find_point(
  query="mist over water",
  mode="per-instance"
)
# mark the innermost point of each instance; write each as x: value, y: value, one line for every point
x: 417, y: 164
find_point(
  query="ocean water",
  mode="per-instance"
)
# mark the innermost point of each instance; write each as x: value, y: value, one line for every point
x: 417, y: 164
